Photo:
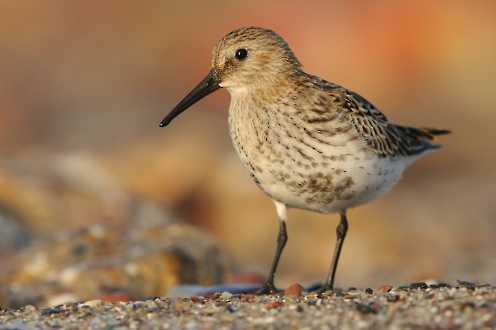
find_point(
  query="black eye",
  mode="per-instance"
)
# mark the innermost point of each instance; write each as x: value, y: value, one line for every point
x: 241, y: 54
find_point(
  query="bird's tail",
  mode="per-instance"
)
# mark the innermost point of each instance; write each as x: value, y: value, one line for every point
x: 430, y: 133
x: 419, y: 139
x: 423, y: 132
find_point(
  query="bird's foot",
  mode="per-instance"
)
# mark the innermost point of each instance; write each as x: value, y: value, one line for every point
x: 267, y: 288
x: 325, y: 288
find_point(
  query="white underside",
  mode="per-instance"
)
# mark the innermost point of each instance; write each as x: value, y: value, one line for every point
x: 371, y: 179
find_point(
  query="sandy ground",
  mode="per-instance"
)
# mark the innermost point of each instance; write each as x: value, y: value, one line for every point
x: 418, y: 306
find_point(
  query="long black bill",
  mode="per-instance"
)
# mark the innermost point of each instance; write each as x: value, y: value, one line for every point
x: 208, y: 85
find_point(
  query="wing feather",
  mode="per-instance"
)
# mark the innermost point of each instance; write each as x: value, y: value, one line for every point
x: 383, y: 137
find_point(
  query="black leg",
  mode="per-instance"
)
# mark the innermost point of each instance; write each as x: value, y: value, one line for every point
x: 341, y: 230
x: 282, y: 238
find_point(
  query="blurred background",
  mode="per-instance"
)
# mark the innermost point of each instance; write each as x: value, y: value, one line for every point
x: 84, y: 85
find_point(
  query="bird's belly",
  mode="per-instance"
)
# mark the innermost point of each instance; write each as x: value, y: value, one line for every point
x: 339, y: 185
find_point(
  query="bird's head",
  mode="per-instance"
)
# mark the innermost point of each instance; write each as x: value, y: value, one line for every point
x: 244, y: 60
x: 251, y: 58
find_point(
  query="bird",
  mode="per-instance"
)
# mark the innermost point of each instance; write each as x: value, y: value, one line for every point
x: 307, y: 143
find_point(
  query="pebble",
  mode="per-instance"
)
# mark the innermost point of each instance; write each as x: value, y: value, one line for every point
x: 225, y: 295
x: 273, y: 305
x: 385, y: 288
x: 62, y: 298
x: 392, y: 297
x: 52, y: 310
x: 440, y: 308
x: 465, y: 284
x: 115, y: 297
x: 91, y: 303
x: 365, y: 309
x: 294, y: 290
x: 419, y: 285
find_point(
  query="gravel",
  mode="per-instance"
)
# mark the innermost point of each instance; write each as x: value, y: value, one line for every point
x: 417, y: 306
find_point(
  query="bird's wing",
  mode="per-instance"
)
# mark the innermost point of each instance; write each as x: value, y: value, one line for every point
x: 383, y: 137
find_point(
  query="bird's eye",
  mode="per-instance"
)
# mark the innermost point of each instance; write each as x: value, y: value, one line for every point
x: 241, y: 54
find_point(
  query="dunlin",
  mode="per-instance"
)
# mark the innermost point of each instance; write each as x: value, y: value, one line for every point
x: 307, y: 143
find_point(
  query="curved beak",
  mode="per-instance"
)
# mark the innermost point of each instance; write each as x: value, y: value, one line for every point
x: 207, y: 86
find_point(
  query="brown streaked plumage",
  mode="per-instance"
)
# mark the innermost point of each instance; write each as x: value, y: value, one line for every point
x: 308, y: 143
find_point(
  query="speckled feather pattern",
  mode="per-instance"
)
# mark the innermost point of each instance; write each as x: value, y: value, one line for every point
x: 309, y: 143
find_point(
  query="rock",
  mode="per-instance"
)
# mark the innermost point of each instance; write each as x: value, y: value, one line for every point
x: 182, y: 305
x: 115, y: 297
x: 112, y: 263
x: 225, y: 295
x: 273, y: 305
x: 48, y: 192
x: 466, y: 284
x: 62, y: 298
x: 385, y: 288
x: 294, y: 290
x: 419, y: 285
x: 366, y: 308
x: 392, y: 297
x: 92, y: 303
x: 13, y: 234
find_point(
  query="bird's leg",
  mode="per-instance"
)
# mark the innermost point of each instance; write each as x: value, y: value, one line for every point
x: 282, y: 238
x: 341, y: 230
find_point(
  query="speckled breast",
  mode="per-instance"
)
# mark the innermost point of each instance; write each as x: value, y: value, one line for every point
x: 324, y: 168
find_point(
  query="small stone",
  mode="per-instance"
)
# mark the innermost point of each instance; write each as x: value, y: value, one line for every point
x: 385, y: 288
x: 52, y: 310
x: 273, y: 305
x: 248, y: 297
x: 91, y: 303
x: 182, y: 305
x: 366, y: 309
x: 466, y: 284
x: 225, y: 295
x: 62, y: 298
x: 29, y: 308
x: 419, y: 285
x: 439, y: 285
x: 294, y: 290
x: 443, y: 285
x: 215, y: 295
x: 116, y: 297
x: 369, y: 291
x: 485, y: 285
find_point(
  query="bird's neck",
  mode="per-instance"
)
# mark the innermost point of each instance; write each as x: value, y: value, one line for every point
x: 264, y: 91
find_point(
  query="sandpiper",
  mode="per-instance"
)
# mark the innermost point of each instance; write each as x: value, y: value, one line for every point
x: 307, y: 143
